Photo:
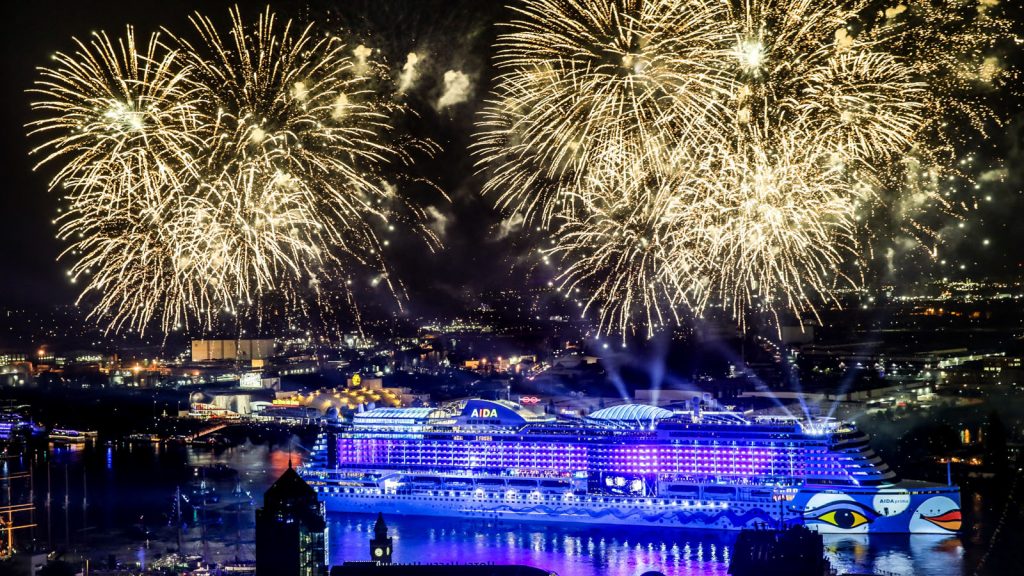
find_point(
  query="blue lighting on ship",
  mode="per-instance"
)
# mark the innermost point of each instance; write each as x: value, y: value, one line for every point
x: 630, y: 464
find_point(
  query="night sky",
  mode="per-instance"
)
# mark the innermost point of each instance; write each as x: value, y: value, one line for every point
x: 481, y: 251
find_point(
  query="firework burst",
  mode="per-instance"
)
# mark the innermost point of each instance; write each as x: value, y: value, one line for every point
x: 581, y: 80
x: 205, y: 177
x: 110, y: 110
x: 282, y: 97
x: 629, y: 240
x: 783, y: 224
x: 771, y: 129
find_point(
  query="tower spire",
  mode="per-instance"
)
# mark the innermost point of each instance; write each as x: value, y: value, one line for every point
x: 381, y: 544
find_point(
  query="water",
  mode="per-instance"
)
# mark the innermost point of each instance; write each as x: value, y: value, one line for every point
x: 128, y: 511
x: 568, y: 551
x: 590, y: 551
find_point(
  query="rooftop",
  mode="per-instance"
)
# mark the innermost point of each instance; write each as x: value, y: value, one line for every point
x: 632, y: 413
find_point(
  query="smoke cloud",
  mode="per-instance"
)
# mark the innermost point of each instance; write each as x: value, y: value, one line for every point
x: 509, y: 225
x: 438, y: 221
x: 457, y: 88
x: 409, y: 73
x: 994, y: 175
x: 361, y: 53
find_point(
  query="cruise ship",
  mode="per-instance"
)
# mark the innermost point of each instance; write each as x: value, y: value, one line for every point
x: 632, y: 464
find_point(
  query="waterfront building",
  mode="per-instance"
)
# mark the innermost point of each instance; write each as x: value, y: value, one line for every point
x: 628, y: 465
x: 358, y: 394
x: 381, y: 545
x: 290, y: 539
x: 245, y: 349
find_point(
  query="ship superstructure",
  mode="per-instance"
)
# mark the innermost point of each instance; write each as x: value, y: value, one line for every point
x: 630, y: 464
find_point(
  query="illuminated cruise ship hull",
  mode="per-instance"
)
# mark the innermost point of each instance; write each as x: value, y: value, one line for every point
x: 932, y: 511
x: 708, y: 471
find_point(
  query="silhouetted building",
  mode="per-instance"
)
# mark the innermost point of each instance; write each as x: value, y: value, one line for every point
x: 796, y: 551
x: 290, y: 530
x: 380, y: 546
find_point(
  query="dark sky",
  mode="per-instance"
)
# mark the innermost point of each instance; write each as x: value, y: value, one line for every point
x: 454, y: 34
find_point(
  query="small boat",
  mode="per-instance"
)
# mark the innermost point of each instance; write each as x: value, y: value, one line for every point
x: 65, y: 436
x: 218, y: 471
x: 211, y: 441
x: 14, y: 427
x: 240, y: 567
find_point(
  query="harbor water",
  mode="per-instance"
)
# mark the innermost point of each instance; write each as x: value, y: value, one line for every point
x: 119, y: 501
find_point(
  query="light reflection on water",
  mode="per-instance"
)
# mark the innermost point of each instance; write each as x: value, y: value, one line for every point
x: 899, y: 554
x: 566, y: 550
x: 129, y: 483
x: 591, y: 551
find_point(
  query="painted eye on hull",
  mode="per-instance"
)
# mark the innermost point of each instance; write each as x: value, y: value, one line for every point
x: 844, y: 514
x: 843, y: 518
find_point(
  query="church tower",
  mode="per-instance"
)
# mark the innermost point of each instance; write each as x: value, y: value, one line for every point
x: 380, y: 546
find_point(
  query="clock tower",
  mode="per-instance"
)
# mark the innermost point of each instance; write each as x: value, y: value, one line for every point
x: 380, y: 546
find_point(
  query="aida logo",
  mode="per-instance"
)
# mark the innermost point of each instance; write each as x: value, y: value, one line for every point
x: 484, y: 413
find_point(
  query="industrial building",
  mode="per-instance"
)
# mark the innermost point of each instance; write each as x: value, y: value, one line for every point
x: 232, y: 350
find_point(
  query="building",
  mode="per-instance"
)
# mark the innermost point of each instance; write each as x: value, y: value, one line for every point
x: 256, y: 380
x: 232, y: 350
x: 290, y: 539
x: 9, y: 357
x: 380, y: 546
x: 359, y: 394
